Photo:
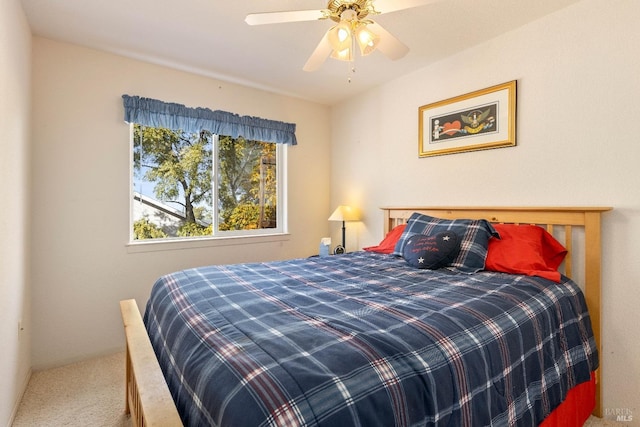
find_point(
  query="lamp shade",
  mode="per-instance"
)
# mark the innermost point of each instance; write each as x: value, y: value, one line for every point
x: 367, y: 40
x: 341, y: 41
x: 342, y: 55
x: 344, y: 213
x: 340, y: 36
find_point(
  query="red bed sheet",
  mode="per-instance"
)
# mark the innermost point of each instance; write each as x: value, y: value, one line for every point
x: 576, y: 408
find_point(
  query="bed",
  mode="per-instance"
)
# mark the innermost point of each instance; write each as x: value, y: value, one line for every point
x: 368, y: 339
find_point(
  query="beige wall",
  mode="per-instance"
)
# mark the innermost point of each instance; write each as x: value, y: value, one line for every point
x: 577, y: 84
x: 578, y: 91
x: 15, y: 63
x: 82, y: 266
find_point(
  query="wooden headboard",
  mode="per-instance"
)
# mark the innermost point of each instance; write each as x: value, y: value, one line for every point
x: 559, y: 221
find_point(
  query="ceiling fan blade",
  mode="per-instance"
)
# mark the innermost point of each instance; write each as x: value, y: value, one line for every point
x: 280, y: 17
x: 319, y: 55
x: 388, y: 44
x: 387, y: 6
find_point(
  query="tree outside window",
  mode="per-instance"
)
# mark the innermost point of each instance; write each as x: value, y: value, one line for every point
x: 192, y: 185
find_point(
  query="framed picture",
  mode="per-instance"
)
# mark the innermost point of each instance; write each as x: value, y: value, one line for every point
x: 479, y: 120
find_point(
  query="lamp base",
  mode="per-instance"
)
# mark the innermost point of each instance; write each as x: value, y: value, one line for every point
x: 338, y: 250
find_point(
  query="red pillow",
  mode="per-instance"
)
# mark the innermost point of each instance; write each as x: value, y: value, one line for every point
x: 388, y: 244
x: 525, y: 249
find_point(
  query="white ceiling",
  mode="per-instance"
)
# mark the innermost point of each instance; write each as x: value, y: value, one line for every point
x: 210, y: 37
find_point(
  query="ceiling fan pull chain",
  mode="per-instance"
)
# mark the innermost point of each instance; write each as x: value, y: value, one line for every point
x: 352, y: 61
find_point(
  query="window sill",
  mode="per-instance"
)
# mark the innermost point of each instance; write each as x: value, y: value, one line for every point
x: 207, y: 242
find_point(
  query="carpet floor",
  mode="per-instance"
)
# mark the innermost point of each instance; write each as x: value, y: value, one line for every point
x: 91, y: 394
x: 88, y: 393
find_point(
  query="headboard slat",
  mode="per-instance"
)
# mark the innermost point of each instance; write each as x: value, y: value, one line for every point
x: 568, y: 244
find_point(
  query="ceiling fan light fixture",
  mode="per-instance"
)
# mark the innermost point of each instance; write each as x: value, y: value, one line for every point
x: 367, y: 40
x: 343, y: 55
x: 352, y: 27
x: 340, y: 36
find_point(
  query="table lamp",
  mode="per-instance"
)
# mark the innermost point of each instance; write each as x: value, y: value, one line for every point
x: 343, y: 213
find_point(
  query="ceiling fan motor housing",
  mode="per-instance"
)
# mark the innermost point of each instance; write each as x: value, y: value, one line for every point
x: 361, y: 7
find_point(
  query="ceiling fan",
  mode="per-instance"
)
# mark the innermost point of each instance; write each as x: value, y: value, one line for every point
x: 353, y: 28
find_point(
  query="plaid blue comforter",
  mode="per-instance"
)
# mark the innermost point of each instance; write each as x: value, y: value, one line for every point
x: 364, y: 340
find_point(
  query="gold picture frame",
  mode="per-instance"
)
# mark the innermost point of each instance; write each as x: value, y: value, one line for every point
x: 479, y: 120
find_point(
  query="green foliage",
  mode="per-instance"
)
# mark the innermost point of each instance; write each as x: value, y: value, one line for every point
x: 246, y: 181
x: 177, y: 163
x: 143, y: 229
x: 192, y: 229
x: 247, y: 217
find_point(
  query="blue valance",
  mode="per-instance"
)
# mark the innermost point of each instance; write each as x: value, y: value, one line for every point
x: 151, y: 112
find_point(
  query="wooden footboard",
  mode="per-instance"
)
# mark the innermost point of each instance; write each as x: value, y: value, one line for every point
x: 148, y: 400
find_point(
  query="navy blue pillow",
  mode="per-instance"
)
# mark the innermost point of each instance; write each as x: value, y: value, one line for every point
x: 474, y: 235
x: 431, y: 252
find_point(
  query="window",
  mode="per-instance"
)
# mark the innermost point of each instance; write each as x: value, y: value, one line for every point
x: 194, y: 185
